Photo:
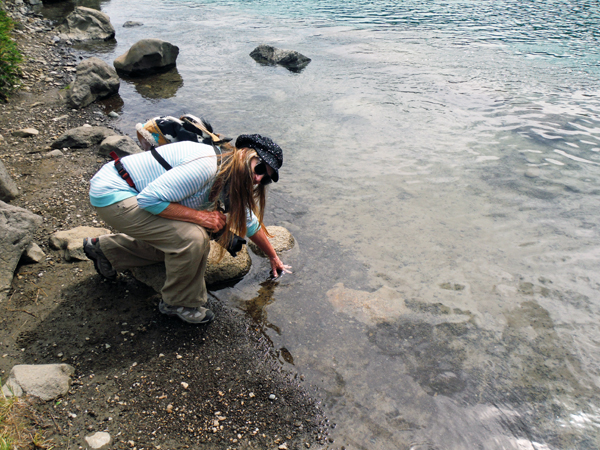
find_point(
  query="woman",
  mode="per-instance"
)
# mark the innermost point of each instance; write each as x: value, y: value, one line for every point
x: 166, y: 215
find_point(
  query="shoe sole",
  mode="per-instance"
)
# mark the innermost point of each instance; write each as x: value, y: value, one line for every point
x: 93, y: 256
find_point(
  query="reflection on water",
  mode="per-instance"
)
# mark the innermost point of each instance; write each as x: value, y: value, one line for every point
x: 157, y: 86
x: 441, y: 180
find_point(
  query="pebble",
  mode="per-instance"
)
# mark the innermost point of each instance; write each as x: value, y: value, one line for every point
x: 26, y: 132
x: 169, y: 408
x: 272, y: 397
x: 113, y: 114
x: 98, y: 440
x: 532, y: 173
x: 184, y: 384
x: 55, y: 154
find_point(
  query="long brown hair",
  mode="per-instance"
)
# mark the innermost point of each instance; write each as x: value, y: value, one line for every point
x: 235, y: 175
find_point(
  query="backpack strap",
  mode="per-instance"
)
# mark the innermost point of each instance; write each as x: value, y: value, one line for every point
x: 121, y: 169
x: 160, y: 159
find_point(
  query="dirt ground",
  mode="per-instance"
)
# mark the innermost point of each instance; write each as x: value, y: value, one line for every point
x: 149, y: 380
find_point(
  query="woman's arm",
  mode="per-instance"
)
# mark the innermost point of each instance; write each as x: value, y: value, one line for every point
x: 261, y: 240
x: 211, y: 220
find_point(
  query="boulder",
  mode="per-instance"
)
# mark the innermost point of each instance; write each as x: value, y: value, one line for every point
x: 228, y: 269
x: 82, y: 137
x: 8, y: 188
x: 121, y: 145
x: 147, y: 57
x: 290, y: 59
x: 17, y: 226
x: 281, y: 241
x: 94, y: 80
x: 85, y: 24
x: 70, y: 242
x: 45, y: 381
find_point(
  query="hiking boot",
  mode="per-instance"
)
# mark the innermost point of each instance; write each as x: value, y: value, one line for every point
x: 187, y: 314
x: 91, y: 247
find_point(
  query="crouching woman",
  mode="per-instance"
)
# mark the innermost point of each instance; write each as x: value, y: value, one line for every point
x: 164, y: 212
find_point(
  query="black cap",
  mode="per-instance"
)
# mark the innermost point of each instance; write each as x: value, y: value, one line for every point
x: 267, y: 150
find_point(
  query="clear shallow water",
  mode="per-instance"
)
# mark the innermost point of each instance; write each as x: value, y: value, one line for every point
x: 442, y: 163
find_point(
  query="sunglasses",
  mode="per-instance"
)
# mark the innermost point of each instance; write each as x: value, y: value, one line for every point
x: 261, y: 169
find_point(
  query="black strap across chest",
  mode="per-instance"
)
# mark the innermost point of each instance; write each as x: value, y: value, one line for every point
x: 160, y: 159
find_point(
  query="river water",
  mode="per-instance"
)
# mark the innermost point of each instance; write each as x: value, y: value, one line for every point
x: 441, y: 178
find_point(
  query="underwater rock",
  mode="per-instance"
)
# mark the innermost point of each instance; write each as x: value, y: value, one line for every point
x: 290, y: 59
x: 383, y: 305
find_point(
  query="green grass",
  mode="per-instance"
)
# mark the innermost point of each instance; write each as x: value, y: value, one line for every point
x: 10, y: 58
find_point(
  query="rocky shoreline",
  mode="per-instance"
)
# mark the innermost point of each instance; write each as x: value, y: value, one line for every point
x: 147, y: 380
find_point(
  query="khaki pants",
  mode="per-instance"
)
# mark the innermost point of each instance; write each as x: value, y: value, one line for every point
x: 149, y: 239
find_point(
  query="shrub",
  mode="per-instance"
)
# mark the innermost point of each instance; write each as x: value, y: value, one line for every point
x: 10, y: 57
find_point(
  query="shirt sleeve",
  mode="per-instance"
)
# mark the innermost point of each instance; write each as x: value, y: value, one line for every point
x: 188, y: 183
x: 252, y: 224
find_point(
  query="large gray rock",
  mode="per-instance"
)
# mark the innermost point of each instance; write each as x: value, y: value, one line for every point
x: 17, y: 226
x: 70, y: 242
x: 45, y: 381
x: 8, y: 188
x: 146, y: 57
x: 281, y: 241
x: 82, y: 137
x: 94, y: 80
x: 290, y: 59
x: 227, y: 270
x: 85, y: 24
x: 121, y: 145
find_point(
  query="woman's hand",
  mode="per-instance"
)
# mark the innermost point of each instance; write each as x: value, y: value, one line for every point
x: 210, y: 220
x: 278, y: 268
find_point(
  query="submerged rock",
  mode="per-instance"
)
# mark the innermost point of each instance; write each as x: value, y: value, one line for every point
x: 147, y: 57
x: 290, y: 59
x: 383, y: 305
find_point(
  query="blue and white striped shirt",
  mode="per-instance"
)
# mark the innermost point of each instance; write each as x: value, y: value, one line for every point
x: 189, y: 181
